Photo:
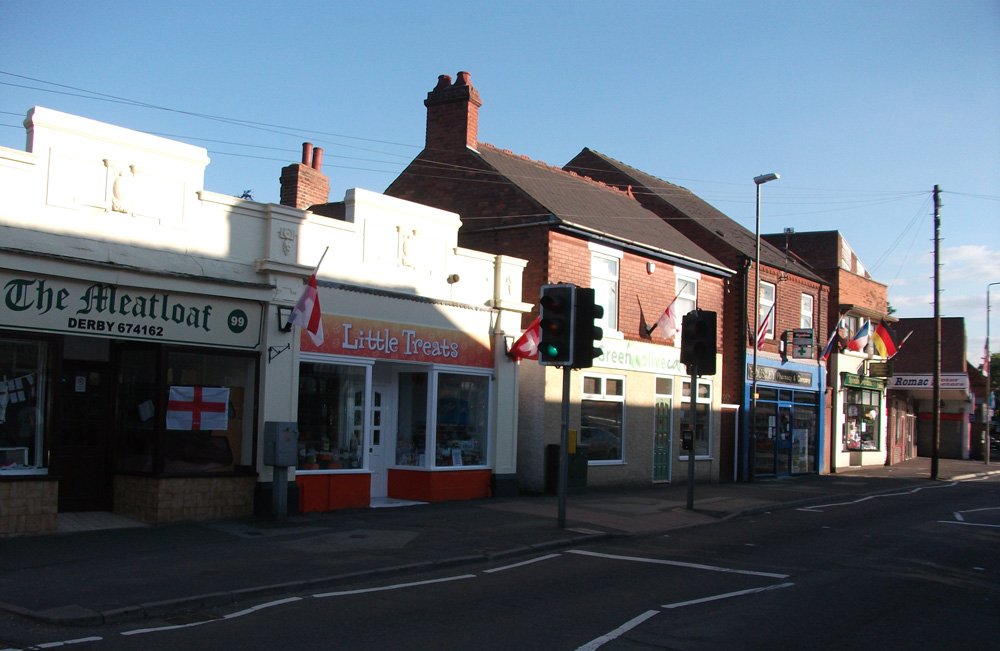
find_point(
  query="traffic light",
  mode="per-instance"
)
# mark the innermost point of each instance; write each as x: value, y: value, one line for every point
x: 586, y: 333
x: 555, y: 346
x: 698, y: 341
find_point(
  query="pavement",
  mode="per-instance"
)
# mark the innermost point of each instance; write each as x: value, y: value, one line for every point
x: 128, y: 571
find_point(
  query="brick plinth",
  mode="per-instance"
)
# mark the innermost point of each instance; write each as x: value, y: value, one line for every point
x: 171, y: 499
x: 28, y: 505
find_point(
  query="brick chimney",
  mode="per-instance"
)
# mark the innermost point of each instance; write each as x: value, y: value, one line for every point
x: 452, y: 114
x: 303, y: 184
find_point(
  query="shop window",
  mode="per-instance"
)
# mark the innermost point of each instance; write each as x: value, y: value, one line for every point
x: 331, y: 416
x: 210, y: 412
x: 702, y: 426
x: 602, y: 411
x: 137, y: 397
x: 462, y: 420
x: 411, y: 436
x: 22, y: 365
x: 861, y: 419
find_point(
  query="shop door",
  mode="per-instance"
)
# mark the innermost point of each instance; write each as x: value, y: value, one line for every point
x: 765, y: 442
x: 82, y: 437
x: 783, y: 441
x: 377, y: 444
x: 661, y: 441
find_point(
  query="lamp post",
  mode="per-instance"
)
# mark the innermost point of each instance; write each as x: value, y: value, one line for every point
x: 758, y: 181
x: 989, y: 370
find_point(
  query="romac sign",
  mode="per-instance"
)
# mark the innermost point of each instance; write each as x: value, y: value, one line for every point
x: 68, y: 306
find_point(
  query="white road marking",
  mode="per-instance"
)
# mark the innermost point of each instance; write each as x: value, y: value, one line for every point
x: 694, y: 566
x: 52, y: 645
x: 872, y: 497
x: 739, y: 593
x: 618, y: 632
x: 521, y: 564
x: 397, y: 586
x: 241, y: 613
x: 970, y: 524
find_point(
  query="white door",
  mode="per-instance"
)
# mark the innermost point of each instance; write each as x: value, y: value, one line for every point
x: 378, y: 444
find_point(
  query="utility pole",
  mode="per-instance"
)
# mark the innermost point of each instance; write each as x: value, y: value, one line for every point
x: 936, y: 396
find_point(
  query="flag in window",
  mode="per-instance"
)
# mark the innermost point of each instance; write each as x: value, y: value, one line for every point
x: 526, y: 347
x: 764, y: 327
x: 667, y: 323
x: 198, y: 408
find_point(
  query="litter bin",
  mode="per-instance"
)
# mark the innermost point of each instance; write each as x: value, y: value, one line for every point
x: 576, y: 481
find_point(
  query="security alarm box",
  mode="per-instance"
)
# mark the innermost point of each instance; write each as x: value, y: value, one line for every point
x: 281, y: 443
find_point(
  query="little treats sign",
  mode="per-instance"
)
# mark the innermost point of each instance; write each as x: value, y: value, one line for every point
x: 68, y: 306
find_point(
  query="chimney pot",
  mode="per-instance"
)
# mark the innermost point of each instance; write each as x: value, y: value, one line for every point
x: 463, y: 79
x: 307, y: 150
x: 443, y: 82
x: 317, y: 161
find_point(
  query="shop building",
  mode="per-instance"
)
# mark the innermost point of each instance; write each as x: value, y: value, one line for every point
x: 629, y: 410
x: 912, y: 383
x: 142, y: 347
x: 855, y: 399
x: 790, y: 379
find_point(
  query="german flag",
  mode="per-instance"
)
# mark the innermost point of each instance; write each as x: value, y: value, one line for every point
x: 883, y: 341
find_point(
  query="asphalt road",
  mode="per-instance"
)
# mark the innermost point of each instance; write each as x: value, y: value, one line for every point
x: 913, y: 569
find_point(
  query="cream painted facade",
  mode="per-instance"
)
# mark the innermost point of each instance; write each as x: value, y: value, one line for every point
x: 116, y: 259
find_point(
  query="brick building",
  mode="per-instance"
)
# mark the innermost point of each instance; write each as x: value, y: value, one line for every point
x: 790, y: 379
x: 858, y: 405
x: 631, y: 406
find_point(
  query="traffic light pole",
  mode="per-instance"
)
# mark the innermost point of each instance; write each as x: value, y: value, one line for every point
x: 564, y: 448
x: 694, y: 428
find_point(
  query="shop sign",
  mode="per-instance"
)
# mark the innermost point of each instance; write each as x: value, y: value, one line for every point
x: 80, y: 307
x: 644, y: 358
x: 856, y: 381
x: 921, y: 382
x: 780, y: 375
x: 802, y: 343
x: 368, y: 338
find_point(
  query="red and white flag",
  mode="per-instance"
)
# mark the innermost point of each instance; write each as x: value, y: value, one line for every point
x: 307, y: 313
x: 667, y: 323
x: 198, y: 408
x: 764, y: 326
x: 526, y: 347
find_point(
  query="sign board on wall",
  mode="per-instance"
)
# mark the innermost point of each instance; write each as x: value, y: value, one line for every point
x: 357, y: 337
x: 81, y: 307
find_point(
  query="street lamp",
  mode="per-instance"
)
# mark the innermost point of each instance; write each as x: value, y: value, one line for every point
x: 989, y: 370
x: 758, y: 181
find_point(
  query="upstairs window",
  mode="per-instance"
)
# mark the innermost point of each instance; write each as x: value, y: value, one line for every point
x: 605, y: 265
x: 767, y: 294
x: 806, y: 316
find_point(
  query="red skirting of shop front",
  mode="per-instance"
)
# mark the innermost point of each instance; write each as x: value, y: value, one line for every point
x: 448, y: 486
x: 330, y: 492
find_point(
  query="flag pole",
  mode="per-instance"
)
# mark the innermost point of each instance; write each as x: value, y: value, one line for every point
x: 316, y: 270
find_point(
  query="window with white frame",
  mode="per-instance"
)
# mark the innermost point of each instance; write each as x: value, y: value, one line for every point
x: 602, y: 413
x: 687, y: 300
x: 605, y: 264
x: 806, y: 317
x: 767, y: 297
x: 702, y: 427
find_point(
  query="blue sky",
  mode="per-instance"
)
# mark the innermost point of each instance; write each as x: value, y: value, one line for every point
x: 861, y: 106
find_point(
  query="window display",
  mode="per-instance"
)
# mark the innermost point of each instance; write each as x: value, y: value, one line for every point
x: 22, y: 364
x: 861, y: 419
x: 462, y: 417
x: 411, y: 438
x: 331, y: 417
x: 226, y: 439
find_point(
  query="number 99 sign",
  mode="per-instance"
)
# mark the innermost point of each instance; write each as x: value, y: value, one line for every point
x: 237, y: 321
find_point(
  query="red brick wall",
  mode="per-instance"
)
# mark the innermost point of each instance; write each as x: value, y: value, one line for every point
x: 857, y: 290
x: 303, y: 186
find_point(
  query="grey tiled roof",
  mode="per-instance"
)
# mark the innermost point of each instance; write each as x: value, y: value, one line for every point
x: 711, y: 219
x: 582, y: 203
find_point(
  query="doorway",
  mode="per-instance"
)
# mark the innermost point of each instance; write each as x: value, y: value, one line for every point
x: 378, y: 443
x: 82, y: 439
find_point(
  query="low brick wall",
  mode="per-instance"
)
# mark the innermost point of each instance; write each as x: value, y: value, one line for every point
x: 172, y: 499
x: 28, y: 505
